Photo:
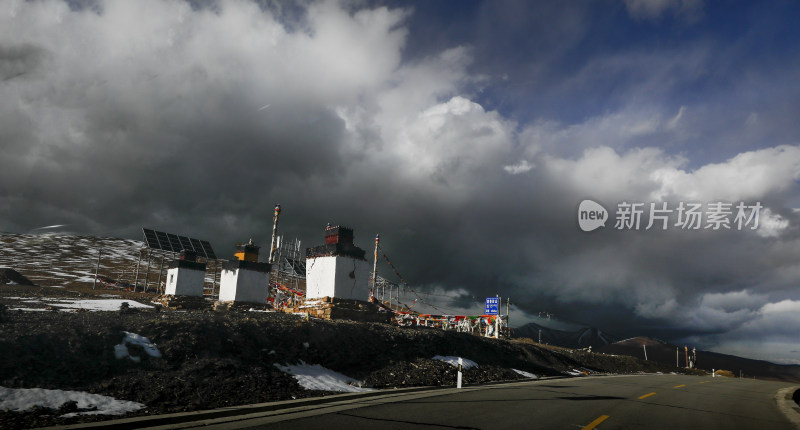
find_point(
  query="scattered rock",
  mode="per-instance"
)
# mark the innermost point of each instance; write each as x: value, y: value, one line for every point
x: 11, y: 276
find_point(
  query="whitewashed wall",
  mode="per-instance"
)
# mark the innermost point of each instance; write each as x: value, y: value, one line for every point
x: 331, y: 276
x: 242, y: 285
x: 185, y: 282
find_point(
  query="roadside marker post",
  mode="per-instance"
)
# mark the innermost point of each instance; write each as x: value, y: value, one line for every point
x: 458, y: 381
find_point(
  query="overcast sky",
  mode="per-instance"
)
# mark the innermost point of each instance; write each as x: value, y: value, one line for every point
x: 466, y: 133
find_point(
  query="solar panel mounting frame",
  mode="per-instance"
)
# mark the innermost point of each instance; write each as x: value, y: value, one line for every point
x: 169, y: 242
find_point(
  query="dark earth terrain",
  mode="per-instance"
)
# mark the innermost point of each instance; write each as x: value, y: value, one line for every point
x: 214, y: 359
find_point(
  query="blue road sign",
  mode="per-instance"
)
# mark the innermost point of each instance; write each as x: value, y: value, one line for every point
x: 492, y: 306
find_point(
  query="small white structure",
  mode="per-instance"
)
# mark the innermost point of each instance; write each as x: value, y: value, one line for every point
x: 338, y: 268
x: 338, y: 276
x: 244, y: 281
x: 185, y: 278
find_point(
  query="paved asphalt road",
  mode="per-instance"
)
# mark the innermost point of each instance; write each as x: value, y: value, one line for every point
x: 615, y: 402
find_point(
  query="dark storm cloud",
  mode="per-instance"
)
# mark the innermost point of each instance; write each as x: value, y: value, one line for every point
x: 467, y: 145
x: 17, y: 60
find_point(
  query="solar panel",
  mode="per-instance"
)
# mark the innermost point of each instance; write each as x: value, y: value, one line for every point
x: 186, y: 244
x: 150, y: 238
x: 174, y: 243
x: 163, y: 241
x: 207, y: 250
x: 198, y: 247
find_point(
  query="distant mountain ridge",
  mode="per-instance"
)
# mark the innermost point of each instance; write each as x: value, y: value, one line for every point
x: 573, y: 336
x: 663, y: 352
x: 570, y: 335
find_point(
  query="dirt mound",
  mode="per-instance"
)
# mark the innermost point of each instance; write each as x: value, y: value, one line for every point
x: 12, y: 277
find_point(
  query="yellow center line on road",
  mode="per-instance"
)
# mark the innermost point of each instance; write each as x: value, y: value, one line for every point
x: 646, y: 396
x: 596, y: 422
x: 705, y: 382
x: 679, y: 386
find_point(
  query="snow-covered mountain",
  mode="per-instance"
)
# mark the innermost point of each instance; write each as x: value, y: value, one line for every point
x: 66, y: 260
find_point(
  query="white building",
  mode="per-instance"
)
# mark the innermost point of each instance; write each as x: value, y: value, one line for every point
x: 338, y: 268
x: 244, y: 282
x: 185, y: 278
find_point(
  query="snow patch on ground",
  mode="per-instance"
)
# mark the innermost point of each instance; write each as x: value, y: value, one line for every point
x: 258, y: 310
x: 121, y: 350
x: 526, y: 374
x: 453, y: 360
x: 316, y: 377
x: 97, y: 305
x: 22, y: 399
x: 75, y: 304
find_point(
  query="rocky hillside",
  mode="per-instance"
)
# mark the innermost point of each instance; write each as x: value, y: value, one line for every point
x: 210, y: 359
x: 63, y: 334
x: 65, y: 260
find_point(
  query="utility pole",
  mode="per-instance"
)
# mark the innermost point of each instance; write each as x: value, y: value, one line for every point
x: 677, y: 355
x: 540, y: 336
x: 508, y: 316
x: 497, y: 319
x: 375, y: 266
x: 274, y: 234
x: 97, y: 268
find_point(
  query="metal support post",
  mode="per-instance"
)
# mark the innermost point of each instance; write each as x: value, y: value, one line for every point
x: 160, y: 272
x: 97, y: 268
x: 147, y: 273
x: 136, y: 276
x: 214, y: 280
